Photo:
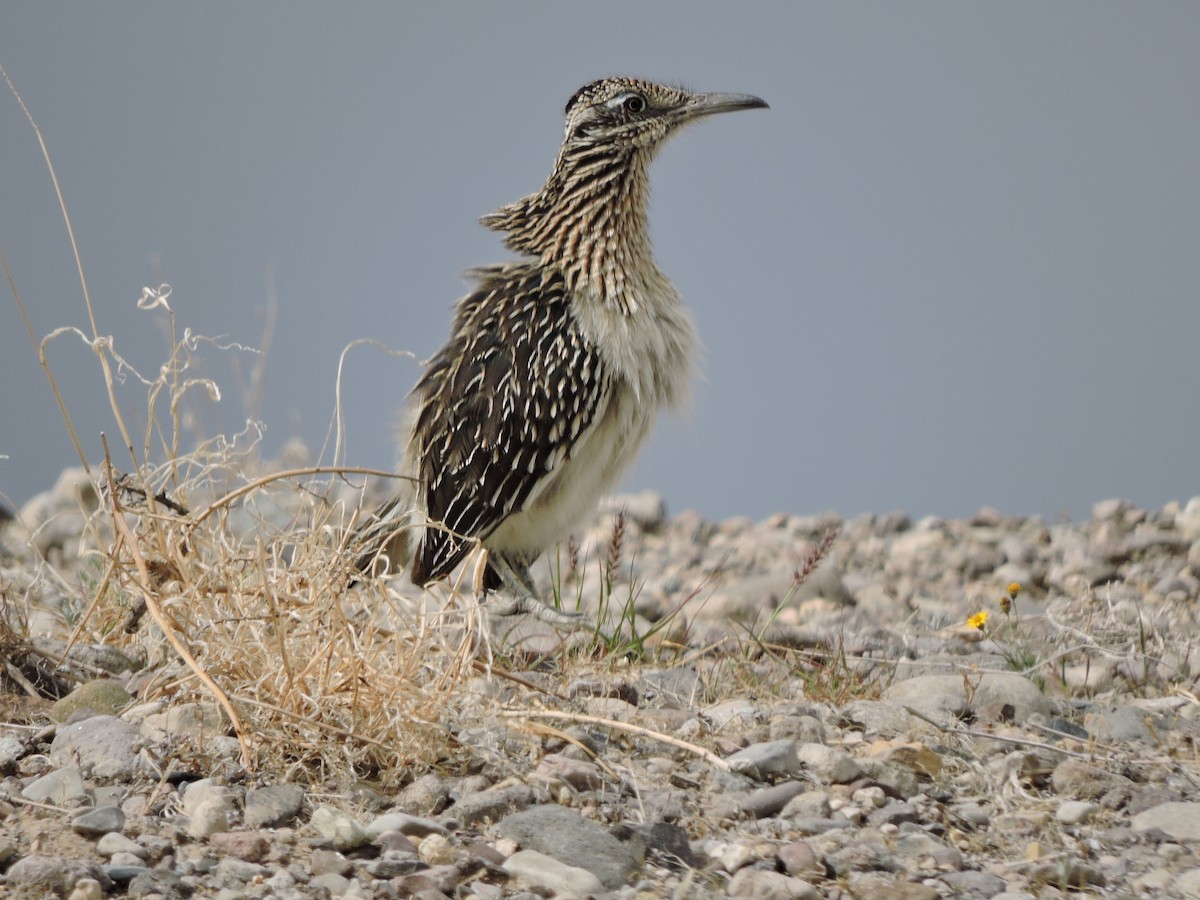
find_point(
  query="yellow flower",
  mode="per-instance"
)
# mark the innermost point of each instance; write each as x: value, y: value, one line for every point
x: 978, y: 620
x: 1013, y: 590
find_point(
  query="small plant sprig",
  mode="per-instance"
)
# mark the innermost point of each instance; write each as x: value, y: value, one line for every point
x: 813, y: 558
x: 800, y: 574
x: 617, y: 632
x: 1016, y: 648
x: 624, y: 639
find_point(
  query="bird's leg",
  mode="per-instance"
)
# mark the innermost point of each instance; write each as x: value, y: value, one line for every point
x: 521, y: 594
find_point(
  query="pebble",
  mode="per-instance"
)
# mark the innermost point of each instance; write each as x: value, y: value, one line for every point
x: 124, y: 872
x: 339, y: 828
x: 104, y: 695
x: 273, y: 805
x: 208, y: 818
x: 808, y: 805
x: 757, y: 804
x: 413, y: 826
x: 11, y: 751
x: 99, y: 821
x: 44, y: 876
x: 760, y: 884
x: 112, y: 843
x: 767, y: 761
x: 568, y: 837
x: 1075, y: 812
x: 61, y: 787
x: 335, y: 884
x: 537, y: 870
x: 943, y: 696
x: 829, y: 764
x: 428, y: 795
x: 86, y: 889
x: 835, y: 787
x: 248, y: 845
x: 492, y: 804
x: 1179, y: 821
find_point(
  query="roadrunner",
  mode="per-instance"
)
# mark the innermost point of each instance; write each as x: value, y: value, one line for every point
x: 557, y: 364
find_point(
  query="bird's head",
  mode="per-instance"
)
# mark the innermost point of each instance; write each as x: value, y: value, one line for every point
x: 614, y: 127
x: 635, y: 114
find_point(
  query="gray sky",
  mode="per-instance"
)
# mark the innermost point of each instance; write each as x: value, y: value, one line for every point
x: 954, y: 265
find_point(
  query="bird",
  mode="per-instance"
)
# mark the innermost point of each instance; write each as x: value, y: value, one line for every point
x: 558, y: 363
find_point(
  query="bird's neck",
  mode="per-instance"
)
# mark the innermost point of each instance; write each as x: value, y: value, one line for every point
x: 589, y: 222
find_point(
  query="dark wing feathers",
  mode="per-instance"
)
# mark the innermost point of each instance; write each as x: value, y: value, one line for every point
x: 500, y: 408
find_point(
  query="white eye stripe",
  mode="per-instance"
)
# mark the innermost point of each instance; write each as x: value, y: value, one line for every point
x: 630, y: 101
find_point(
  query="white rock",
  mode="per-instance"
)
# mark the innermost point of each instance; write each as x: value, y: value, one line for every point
x: 11, y: 750
x: 194, y: 720
x: 533, y: 869
x: 208, y: 818
x: 199, y: 792
x: 86, y: 889
x: 1188, y: 520
x: 1075, y: 812
x: 436, y: 850
x: 731, y: 714
x: 342, y: 829
x: 114, y: 843
x: 405, y: 824
x: 832, y: 766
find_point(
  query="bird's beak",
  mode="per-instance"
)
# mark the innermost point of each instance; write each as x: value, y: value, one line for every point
x: 708, y: 104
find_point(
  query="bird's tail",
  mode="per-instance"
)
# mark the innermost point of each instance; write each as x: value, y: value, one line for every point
x: 388, y: 540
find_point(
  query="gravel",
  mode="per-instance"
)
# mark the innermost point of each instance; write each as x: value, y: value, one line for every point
x: 869, y: 736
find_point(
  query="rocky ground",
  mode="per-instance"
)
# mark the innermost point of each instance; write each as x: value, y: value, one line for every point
x: 993, y: 707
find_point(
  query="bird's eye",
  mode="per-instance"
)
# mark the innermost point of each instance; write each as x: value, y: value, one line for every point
x: 634, y: 103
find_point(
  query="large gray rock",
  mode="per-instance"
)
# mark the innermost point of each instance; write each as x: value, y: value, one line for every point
x: 101, y: 820
x: 59, y: 787
x: 102, y: 746
x: 947, y: 695
x: 492, y: 803
x: 53, y: 876
x: 571, y: 839
x: 1179, y: 821
x: 274, y: 805
x: 767, y: 761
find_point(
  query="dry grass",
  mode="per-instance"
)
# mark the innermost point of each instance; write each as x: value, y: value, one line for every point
x: 203, y: 556
x: 313, y: 677
x: 242, y: 576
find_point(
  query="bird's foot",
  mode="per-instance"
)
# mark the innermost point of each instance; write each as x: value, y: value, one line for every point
x: 527, y: 605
